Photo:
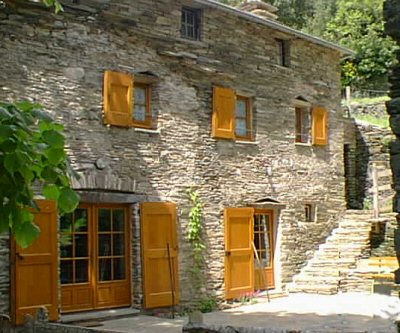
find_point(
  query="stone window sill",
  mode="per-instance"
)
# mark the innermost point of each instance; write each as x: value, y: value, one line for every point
x: 241, y: 142
x: 146, y: 130
x: 303, y: 144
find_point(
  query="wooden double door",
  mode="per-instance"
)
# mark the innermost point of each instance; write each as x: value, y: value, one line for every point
x: 94, y: 257
x: 249, y: 251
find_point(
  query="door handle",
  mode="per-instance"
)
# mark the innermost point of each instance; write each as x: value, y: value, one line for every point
x: 19, y: 256
x: 227, y: 253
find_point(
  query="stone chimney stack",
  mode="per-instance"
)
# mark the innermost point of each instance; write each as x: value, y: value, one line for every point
x: 259, y: 8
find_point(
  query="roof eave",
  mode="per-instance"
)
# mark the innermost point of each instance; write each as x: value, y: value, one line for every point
x: 275, y: 25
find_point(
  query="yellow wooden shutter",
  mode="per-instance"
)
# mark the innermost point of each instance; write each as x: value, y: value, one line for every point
x: 239, y: 254
x: 35, y: 269
x: 320, y: 126
x: 118, y: 98
x: 160, y: 254
x: 223, y: 120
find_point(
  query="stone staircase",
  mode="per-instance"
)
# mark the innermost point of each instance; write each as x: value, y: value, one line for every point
x: 337, y: 256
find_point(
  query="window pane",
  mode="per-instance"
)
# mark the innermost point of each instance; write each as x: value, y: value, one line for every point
x: 66, y: 272
x: 81, y: 245
x: 81, y: 271
x: 119, y: 245
x: 81, y: 219
x: 241, y: 127
x: 118, y: 220
x: 139, y: 113
x: 241, y: 108
x: 104, y: 219
x: 66, y: 246
x: 105, y: 245
x: 65, y: 223
x: 119, y: 269
x: 105, y: 270
x: 140, y: 95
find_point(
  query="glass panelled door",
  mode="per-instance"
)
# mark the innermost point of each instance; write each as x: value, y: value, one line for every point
x: 95, y: 258
x: 264, y: 244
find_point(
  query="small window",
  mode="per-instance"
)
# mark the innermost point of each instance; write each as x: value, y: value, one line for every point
x: 126, y: 103
x: 141, y: 108
x: 283, y: 52
x: 243, y: 118
x: 190, y: 23
x: 311, y: 124
x: 303, y: 124
x: 309, y: 213
x: 232, y: 115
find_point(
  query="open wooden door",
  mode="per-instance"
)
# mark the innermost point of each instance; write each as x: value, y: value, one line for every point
x: 239, y: 254
x: 35, y: 269
x: 160, y: 254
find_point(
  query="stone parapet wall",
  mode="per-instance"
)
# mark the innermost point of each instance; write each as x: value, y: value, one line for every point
x: 60, y: 60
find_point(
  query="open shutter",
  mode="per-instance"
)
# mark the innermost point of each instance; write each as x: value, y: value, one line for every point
x: 319, y: 126
x: 223, y: 120
x: 239, y: 253
x: 118, y: 98
x: 160, y: 254
x: 35, y: 269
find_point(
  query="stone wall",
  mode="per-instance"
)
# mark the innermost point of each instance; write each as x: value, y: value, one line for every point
x: 391, y: 14
x: 59, y: 60
x: 366, y: 146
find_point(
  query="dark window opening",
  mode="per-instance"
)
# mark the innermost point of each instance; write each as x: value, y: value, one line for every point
x: 190, y: 24
x: 283, y: 52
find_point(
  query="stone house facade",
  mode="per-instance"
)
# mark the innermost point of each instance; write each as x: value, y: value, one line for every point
x: 238, y: 107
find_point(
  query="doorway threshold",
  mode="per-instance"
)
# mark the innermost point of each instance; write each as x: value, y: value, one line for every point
x: 98, y: 314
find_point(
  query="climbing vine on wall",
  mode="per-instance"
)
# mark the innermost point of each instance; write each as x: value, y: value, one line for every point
x: 195, y: 228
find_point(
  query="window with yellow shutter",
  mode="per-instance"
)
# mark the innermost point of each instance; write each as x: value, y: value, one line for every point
x: 126, y: 104
x: 232, y: 115
x: 310, y: 124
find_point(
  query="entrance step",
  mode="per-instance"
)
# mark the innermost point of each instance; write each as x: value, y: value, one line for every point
x: 95, y: 315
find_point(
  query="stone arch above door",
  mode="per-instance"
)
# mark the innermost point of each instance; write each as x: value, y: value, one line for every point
x: 100, y: 180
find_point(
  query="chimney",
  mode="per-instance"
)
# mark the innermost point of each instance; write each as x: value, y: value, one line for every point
x: 259, y: 8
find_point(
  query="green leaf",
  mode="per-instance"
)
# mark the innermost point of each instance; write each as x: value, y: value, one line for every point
x: 4, y: 114
x: 13, y: 162
x: 5, y: 131
x: 55, y: 156
x: 27, y: 106
x: 68, y: 200
x: 53, y: 138
x: 51, y: 192
x: 26, y: 233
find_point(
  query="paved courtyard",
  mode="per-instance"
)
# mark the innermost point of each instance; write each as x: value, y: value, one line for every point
x: 347, y: 313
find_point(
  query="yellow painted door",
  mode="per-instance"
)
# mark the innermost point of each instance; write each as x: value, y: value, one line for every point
x: 35, y: 269
x: 264, y: 243
x: 160, y: 254
x: 239, y: 254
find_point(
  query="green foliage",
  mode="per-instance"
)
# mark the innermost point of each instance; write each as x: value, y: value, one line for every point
x: 195, y: 227
x: 294, y: 13
x: 373, y: 120
x: 54, y: 3
x: 31, y: 154
x: 358, y: 25
x: 207, y: 305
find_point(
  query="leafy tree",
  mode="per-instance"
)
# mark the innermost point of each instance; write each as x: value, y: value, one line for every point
x: 323, y: 11
x: 358, y: 24
x: 294, y: 13
x: 31, y: 155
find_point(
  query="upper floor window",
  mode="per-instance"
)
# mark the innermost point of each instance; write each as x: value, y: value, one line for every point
x: 303, y: 127
x: 311, y: 124
x: 190, y: 23
x: 283, y: 47
x: 232, y: 115
x: 141, y: 108
x: 126, y: 104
